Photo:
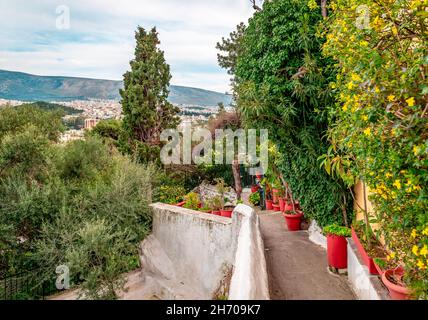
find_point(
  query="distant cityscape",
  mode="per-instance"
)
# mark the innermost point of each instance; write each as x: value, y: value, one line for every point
x: 95, y: 110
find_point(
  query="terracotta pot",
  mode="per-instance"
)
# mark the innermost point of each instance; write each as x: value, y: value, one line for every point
x: 337, y: 251
x: 293, y: 221
x: 226, y: 213
x: 254, y: 189
x: 282, y: 203
x: 269, y: 205
x: 396, y: 292
x: 276, y: 208
x: 368, y: 261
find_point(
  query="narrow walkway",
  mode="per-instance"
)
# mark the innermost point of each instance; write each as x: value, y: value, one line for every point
x: 297, y: 268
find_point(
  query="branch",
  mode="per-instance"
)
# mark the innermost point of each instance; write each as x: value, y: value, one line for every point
x: 255, y: 6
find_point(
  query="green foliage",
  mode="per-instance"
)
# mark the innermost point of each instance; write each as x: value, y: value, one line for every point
x: 81, y: 204
x: 282, y: 86
x: 144, y: 97
x: 192, y: 201
x: 337, y: 230
x: 14, y: 119
x: 255, y: 199
x: 171, y: 194
x: 379, y: 121
x: 108, y: 129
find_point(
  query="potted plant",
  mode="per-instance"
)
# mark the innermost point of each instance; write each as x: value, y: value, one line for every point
x: 337, y: 246
x: 216, y: 205
x: 293, y: 219
x: 255, y: 199
x: 268, y: 194
x: 254, y: 188
x: 393, y: 280
x: 226, y: 208
x: 368, y: 246
x: 192, y: 201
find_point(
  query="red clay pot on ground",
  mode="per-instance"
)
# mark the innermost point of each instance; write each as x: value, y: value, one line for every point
x: 282, y: 204
x: 276, y: 208
x: 254, y: 189
x: 395, y: 291
x: 226, y: 213
x: 367, y: 260
x: 337, y: 251
x: 293, y: 221
x: 269, y: 205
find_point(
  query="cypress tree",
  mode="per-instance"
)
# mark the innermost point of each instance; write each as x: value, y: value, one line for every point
x: 146, y: 109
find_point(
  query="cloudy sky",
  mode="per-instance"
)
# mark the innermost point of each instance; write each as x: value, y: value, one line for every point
x: 100, y: 40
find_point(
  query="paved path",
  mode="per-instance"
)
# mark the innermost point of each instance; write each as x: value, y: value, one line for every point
x: 298, y: 268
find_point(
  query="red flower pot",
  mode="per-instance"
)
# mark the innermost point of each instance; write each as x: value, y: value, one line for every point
x: 337, y: 251
x: 367, y: 260
x: 282, y: 204
x: 254, y: 189
x: 293, y: 221
x: 226, y: 213
x: 269, y: 205
x: 275, y: 193
x: 216, y: 213
x: 396, y: 292
x: 181, y: 204
x: 276, y: 208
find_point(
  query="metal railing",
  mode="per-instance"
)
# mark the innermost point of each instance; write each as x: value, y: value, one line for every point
x: 29, y: 285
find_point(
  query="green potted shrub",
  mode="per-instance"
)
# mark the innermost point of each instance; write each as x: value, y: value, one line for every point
x: 192, y: 201
x: 255, y: 199
x: 337, y: 245
x: 226, y: 208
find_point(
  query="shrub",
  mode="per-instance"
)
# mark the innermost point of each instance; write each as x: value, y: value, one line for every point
x: 337, y: 231
x: 255, y: 199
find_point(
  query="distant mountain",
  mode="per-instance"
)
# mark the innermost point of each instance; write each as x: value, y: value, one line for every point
x: 27, y: 87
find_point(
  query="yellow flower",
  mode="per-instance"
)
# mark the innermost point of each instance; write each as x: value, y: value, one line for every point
x: 388, y: 175
x: 391, y: 98
x: 416, y: 150
x: 425, y: 232
x: 350, y: 85
x: 415, y: 250
x: 424, y: 251
x: 410, y: 102
x: 356, y: 77
x: 397, y: 184
x: 394, y: 30
x: 364, y: 43
x: 365, y: 118
x: 414, y: 234
x: 421, y: 265
x: 376, y: 89
x: 368, y: 132
x: 345, y: 108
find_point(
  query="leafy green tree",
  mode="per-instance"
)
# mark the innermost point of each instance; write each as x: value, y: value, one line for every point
x: 282, y: 85
x: 144, y: 97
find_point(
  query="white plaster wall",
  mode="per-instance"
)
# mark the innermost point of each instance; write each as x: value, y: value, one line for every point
x: 364, y: 285
x: 249, y: 278
x: 316, y: 236
x: 192, y: 249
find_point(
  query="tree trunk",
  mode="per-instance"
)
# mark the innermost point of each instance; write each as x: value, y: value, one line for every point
x: 237, y: 178
x: 324, y: 8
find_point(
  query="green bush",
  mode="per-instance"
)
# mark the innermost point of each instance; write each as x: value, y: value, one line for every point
x: 336, y: 230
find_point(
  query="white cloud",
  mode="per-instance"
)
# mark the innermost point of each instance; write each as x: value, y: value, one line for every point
x: 100, y: 42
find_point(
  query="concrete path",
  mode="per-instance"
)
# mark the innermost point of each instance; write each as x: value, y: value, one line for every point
x: 297, y: 268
